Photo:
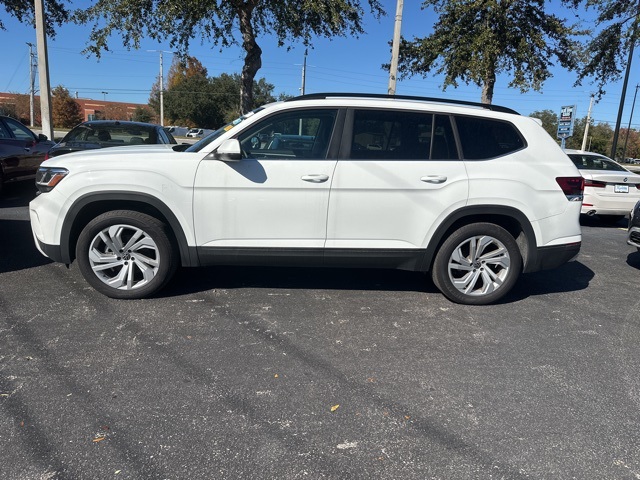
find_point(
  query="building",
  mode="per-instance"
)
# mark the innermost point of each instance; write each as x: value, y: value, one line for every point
x: 92, y: 109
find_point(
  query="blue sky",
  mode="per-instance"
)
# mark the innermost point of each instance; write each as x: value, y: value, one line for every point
x: 341, y: 64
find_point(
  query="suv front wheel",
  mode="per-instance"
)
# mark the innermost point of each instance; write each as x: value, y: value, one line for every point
x: 126, y: 254
x: 477, y: 265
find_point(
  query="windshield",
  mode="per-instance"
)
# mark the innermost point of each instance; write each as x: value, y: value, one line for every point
x: 196, y: 147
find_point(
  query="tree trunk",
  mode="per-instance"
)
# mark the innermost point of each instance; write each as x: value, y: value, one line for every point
x: 252, y: 59
x: 487, y: 88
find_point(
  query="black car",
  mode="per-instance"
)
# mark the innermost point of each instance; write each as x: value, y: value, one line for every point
x: 633, y: 232
x: 111, y: 133
x: 21, y: 150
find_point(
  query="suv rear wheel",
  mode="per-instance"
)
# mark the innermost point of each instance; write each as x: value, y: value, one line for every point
x: 478, y: 264
x: 126, y: 254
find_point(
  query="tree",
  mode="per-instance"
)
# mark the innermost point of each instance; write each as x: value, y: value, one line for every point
x: 606, y: 54
x: 66, y: 112
x: 182, y: 68
x: 55, y: 12
x: 142, y: 114
x: 209, y: 102
x: 218, y: 23
x: 473, y: 42
x: 549, y: 121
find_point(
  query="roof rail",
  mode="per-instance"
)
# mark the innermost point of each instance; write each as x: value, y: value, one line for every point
x: 488, y: 106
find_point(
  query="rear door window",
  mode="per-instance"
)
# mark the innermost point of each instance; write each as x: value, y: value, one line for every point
x: 402, y: 135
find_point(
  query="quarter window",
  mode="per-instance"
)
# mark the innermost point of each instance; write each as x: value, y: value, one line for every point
x: 483, y: 138
x: 398, y: 135
x: 303, y: 134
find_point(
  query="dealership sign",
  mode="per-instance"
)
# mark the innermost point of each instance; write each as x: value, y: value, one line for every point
x: 565, y: 121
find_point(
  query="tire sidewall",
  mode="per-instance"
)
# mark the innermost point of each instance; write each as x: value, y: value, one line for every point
x: 440, y: 270
x: 151, y: 227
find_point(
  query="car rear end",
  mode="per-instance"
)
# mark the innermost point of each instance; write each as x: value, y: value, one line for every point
x: 610, y: 193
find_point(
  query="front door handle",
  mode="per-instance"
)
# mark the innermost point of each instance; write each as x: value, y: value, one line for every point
x: 315, y: 178
x: 437, y: 179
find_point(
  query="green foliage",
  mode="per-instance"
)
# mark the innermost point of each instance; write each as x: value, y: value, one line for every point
x: 222, y: 24
x: 607, y: 53
x: 142, y: 114
x: 209, y: 102
x: 56, y: 13
x: 473, y: 42
x: 66, y: 112
x: 599, y: 137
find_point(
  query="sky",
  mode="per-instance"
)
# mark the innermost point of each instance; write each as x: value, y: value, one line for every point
x: 337, y: 65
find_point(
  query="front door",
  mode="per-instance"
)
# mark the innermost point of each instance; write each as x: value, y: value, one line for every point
x: 275, y: 199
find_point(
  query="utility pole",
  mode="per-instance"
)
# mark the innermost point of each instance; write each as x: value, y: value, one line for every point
x: 161, y: 83
x: 32, y: 81
x: 304, y: 73
x: 634, y: 36
x: 395, y: 49
x: 586, y: 127
x: 624, y: 150
x: 43, y: 71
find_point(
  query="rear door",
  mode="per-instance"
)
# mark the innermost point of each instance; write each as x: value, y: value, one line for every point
x: 398, y: 175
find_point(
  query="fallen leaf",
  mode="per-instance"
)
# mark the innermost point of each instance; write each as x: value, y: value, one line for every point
x: 335, y: 407
x: 98, y: 439
x: 275, y: 376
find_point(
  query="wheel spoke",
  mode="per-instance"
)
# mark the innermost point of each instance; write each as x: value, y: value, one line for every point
x: 479, y: 265
x: 124, y: 257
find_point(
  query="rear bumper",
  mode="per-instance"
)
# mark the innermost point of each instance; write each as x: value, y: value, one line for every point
x: 553, y: 256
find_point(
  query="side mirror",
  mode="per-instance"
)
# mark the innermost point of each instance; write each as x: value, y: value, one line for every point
x: 229, y: 151
x: 42, y: 137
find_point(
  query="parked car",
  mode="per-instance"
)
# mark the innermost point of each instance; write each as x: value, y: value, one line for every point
x: 633, y: 231
x: 475, y: 194
x: 195, y: 133
x: 111, y: 133
x: 21, y: 151
x: 610, y: 190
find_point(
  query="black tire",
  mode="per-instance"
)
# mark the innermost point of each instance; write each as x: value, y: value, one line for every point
x: 116, y: 272
x: 468, y: 278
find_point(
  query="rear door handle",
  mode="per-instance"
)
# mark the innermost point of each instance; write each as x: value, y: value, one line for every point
x: 437, y: 179
x: 315, y: 178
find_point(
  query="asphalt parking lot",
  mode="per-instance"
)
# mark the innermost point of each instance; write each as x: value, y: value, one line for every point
x: 264, y: 373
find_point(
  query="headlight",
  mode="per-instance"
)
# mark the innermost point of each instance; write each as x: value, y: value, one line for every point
x: 49, y: 177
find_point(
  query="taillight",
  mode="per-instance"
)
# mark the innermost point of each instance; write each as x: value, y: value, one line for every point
x: 594, y: 183
x: 572, y: 187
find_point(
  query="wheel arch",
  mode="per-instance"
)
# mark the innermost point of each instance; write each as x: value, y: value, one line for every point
x: 509, y: 218
x: 91, y: 205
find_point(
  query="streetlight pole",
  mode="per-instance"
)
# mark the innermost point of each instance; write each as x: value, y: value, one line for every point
x: 104, y: 96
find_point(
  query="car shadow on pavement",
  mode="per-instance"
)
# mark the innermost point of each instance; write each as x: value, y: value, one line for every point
x: 193, y: 280
x: 18, y: 248
x: 633, y: 260
x: 570, y: 277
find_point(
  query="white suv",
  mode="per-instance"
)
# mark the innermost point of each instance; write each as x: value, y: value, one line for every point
x: 474, y: 194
